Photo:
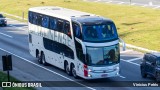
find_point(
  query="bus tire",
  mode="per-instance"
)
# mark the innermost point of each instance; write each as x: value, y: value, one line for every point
x: 37, y: 53
x: 74, y: 71
x: 43, y: 60
x: 67, y: 69
x: 39, y: 58
x: 143, y: 73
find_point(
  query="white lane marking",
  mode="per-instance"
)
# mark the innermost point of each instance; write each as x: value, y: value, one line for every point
x: 130, y: 62
x: 120, y: 2
x: 156, y: 7
x: 10, y: 21
x: 25, y: 26
x: 126, y: 51
x: 142, y: 5
x: 16, y: 21
x: 122, y: 76
x: 17, y: 27
x: 47, y: 69
x: 6, y: 35
x: 134, y: 59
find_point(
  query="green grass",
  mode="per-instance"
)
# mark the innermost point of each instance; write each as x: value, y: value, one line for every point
x: 136, y: 25
x: 3, y: 78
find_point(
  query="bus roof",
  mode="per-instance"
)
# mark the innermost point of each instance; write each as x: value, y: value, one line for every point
x: 69, y: 14
x: 59, y: 11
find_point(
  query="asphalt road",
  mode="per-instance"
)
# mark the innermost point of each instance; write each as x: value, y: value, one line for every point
x: 155, y: 4
x: 14, y: 40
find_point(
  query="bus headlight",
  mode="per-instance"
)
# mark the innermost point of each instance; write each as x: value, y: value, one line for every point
x: 89, y: 75
x: 117, y: 73
x: 5, y: 21
x: 117, y: 68
x: 89, y: 70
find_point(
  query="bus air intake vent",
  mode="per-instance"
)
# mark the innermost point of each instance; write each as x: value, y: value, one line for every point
x: 55, y: 8
x: 85, y: 15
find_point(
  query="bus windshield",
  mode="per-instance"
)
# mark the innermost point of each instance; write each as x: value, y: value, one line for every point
x: 103, y: 55
x: 99, y: 32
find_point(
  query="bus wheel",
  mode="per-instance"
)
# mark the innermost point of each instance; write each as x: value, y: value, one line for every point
x: 43, y: 60
x: 74, y: 71
x: 39, y: 59
x: 68, y: 71
x: 143, y: 74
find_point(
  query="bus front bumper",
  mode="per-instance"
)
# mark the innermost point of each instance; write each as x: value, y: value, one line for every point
x: 93, y: 75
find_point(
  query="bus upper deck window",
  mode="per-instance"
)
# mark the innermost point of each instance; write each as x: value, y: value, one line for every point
x: 53, y: 23
x: 66, y: 29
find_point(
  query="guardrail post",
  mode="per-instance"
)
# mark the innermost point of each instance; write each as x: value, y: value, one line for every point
x: 123, y: 44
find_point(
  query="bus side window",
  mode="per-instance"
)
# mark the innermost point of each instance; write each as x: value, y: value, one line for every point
x: 52, y: 23
x: 30, y: 16
x: 48, y: 44
x: 39, y: 20
x: 59, y: 25
x: 66, y: 29
x: 35, y: 18
x: 45, y: 21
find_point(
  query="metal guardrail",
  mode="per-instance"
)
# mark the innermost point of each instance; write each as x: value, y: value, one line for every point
x: 123, y: 44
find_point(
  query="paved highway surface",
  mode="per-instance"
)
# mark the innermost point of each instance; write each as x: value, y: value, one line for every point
x: 155, y: 4
x: 14, y: 40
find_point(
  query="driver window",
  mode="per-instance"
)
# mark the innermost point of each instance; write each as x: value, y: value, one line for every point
x: 76, y: 30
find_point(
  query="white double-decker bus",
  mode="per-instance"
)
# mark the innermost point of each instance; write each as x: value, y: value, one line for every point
x: 80, y: 43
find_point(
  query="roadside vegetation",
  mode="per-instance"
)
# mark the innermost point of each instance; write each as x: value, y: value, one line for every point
x: 3, y: 78
x: 136, y: 25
